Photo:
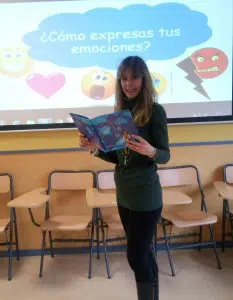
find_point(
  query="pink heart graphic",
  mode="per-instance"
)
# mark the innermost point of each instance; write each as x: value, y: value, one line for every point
x: 46, y: 85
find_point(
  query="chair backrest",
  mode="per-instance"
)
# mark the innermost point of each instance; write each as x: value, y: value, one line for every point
x: 6, y: 184
x: 178, y: 176
x: 169, y: 177
x: 182, y: 176
x: 228, y: 173
x: 105, y: 180
x: 71, y: 180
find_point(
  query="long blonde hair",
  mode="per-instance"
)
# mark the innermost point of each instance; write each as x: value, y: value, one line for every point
x: 148, y: 95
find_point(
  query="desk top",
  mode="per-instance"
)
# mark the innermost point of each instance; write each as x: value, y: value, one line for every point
x: 224, y: 190
x: 95, y: 198
x: 107, y: 198
x: 32, y: 199
x: 175, y: 198
x: 99, y: 199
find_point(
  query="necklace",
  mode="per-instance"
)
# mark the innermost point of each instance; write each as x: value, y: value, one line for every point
x: 125, y: 154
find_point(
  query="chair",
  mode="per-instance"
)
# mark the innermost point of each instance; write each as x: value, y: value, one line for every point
x: 225, y: 191
x: 107, y: 194
x: 65, y: 180
x: 105, y: 182
x: 9, y: 225
x: 187, y: 175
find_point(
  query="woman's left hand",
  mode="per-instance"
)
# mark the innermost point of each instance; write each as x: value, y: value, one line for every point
x: 141, y: 146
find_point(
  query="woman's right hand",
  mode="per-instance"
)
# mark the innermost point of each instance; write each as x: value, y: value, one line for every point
x: 85, y: 143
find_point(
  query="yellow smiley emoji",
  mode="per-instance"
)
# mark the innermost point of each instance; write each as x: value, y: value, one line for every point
x: 15, y: 62
x: 98, y: 84
x: 159, y: 82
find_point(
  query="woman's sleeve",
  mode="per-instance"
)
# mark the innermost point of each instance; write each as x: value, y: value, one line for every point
x: 110, y: 156
x: 159, y: 135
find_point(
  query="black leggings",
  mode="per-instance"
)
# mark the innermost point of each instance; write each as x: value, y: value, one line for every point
x: 140, y: 228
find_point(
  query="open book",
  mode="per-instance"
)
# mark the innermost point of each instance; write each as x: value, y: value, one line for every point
x: 107, y: 131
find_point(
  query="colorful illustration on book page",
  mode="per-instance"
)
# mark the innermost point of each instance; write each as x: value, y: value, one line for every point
x: 111, y: 129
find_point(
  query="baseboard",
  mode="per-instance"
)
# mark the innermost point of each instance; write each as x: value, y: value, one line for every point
x: 111, y: 248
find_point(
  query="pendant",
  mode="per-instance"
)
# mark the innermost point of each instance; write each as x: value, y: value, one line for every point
x: 125, y: 154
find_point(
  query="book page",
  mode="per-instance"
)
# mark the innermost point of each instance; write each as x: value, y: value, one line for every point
x: 112, y: 129
x: 85, y: 126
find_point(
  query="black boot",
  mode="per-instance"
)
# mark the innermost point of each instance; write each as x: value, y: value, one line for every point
x: 145, y: 290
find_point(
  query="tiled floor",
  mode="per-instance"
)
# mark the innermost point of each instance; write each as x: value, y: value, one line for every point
x: 65, y: 278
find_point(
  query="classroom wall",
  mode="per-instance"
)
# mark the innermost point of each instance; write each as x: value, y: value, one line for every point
x: 63, y: 139
x: 208, y: 147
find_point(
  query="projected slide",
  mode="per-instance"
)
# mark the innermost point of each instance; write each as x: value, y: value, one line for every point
x: 61, y: 57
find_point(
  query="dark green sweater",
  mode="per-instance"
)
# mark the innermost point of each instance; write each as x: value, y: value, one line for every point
x: 137, y: 184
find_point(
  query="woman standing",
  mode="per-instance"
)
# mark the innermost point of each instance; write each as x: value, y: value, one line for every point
x: 138, y: 189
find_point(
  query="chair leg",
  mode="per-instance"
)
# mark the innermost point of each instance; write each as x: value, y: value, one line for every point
x: 10, y: 246
x: 215, y: 248
x: 91, y: 249
x: 104, y: 244
x: 168, y: 248
x: 200, y: 237
x: 16, y: 234
x: 6, y: 239
x: 51, y: 244
x: 224, y: 224
x: 231, y: 225
x: 42, y: 253
x: 98, y: 233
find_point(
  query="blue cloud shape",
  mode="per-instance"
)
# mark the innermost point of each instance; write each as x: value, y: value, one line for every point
x: 103, y: 36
